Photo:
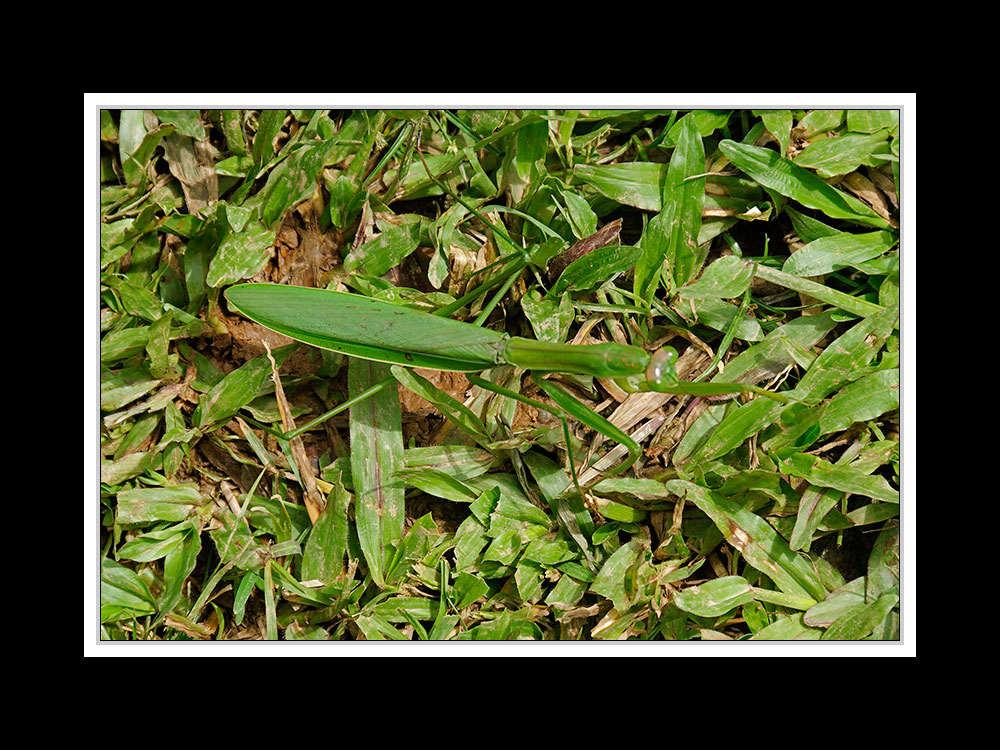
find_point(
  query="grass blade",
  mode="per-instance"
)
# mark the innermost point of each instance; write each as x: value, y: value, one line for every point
x: 458, y: 413
x: 823, y: 293
x: 687, y: 193
x: 792, y: 181
x: 323, y: 557
x: 759, y: 543
x: 376, y: 456
x: 670, y: 242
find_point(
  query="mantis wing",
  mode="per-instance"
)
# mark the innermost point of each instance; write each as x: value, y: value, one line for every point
x: 368, y: 328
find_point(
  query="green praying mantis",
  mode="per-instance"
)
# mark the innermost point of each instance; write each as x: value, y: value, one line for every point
x: 373, y: 329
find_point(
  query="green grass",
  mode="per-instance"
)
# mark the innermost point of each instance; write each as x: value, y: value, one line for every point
x: 763, y: 245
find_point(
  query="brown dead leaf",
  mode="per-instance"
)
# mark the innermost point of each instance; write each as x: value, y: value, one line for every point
x: 193, y: 164
x: 603, y: 237
x: 314, y: 500
x: 865, y: 189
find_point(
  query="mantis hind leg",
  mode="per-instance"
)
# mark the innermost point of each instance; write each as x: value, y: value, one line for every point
x: 661, y: 376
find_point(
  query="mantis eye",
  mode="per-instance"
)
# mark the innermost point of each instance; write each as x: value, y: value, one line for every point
x: 660, y: 371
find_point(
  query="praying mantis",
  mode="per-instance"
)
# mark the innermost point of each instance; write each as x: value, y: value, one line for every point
x: 378, y: 330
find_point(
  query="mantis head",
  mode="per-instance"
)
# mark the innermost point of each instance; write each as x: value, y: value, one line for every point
x: 661, y: 370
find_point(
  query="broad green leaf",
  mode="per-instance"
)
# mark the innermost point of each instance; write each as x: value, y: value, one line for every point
x: 397, y: 608
x: 417, y: 542
x: 136, y: 299
x: 838, y: 251
x: 232, y: 128
x: 467, y: 589
x: 573, y: 517
x: 470, y: 539
x: 841, y: 601
x: 866, y: 398
x: 840, y: 361
x: 568, y: 591
x: 157, y: 346
x: 683, y: 199
x: 781, y: 347
x: 187, y: 121
x: 127, y: 467
x: 177, y: 566
x: 871, y: 120
x: 788, y: 628
x: 109, y: 131
x: 636, y: 184
x: 595, y: 269
x: 859, y: 622
x: 376, y: 457
x: 509, y: 626
x: 235, y: 542
x: 121, y: 387
x: 136, y: 144
x: 346, y: 200
x: 153, y: 544
x: 531, y: 142
x: 836, y: 366
x: 707, y: 122
x: 738, y: 425
x: 268, y: 124
x: 808, y: 228
x: 386, y: 251
x: 726, y: 278
x: 799, y: 184
x: 504, y: 548
x: 528, y: 577
x: 323, y: 557
x: 458, y: 461
x: 716, y: 597
x: 294, y: 180
x: 610, y: 581
x: 522, y: 511
x: 580, y: 215
x: 549, y: 552
x: 814, y: 504
x: 241, y: 255
x: 836, y: 156
x: 821, y: 121
x: 484, y: 121
x: 239, y: 388
x: 715, y: 313
x: 550, y: 319
x: 438, y: 483
x: 755, y: 616
x: 884, y: 564
x: 123, y: 594
x: 150, y: 504
x: 779, y: 124
x: 821, y: 473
